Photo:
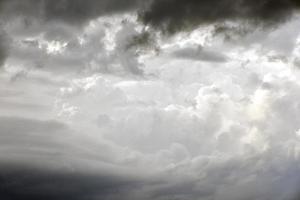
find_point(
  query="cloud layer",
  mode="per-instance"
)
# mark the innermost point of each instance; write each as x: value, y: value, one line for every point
x: 74, y: 12
x: 178, y: 15
x: 97, y: 105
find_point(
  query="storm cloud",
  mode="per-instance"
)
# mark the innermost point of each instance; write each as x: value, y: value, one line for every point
x: 171, y: 16
x: 149, y: 100
x: 33, y: 183
x: 167, y: 15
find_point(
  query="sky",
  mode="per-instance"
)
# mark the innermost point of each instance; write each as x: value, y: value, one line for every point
x: 149, y: 100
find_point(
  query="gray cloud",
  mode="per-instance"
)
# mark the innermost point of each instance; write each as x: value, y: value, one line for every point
x: 175, y: 15
x: 184, y: 130
x: 167, y: 15
x: 80, y: 11
x: 13, y: 125
x: 70, y: 11
x: 199, y: 53
x: 4, y: 47
x: 104, y: 48
x: 33, y: 183
x: 58, y: 19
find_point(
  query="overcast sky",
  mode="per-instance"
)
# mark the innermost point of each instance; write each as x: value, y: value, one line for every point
x: 149, y: 100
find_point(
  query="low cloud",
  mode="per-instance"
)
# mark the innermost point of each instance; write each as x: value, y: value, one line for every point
x: 31, y: 182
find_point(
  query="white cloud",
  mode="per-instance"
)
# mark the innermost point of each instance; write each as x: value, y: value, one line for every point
x: 186, y: 129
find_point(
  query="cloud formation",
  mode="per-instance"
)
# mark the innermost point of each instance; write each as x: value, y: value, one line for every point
x: 33, y: 183
x: 93, y: 111
x: 171, y: 16
x: 75, y: 12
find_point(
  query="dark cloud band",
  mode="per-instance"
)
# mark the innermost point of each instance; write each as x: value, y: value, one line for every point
x: 29, y: 183
x: 168, y: 15
x: 176, y: 15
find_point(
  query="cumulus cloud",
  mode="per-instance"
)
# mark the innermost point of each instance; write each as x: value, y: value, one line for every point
x: 90, y: 109
x: 44, y: 30
x: 101, y: 45
x: 206, y: 130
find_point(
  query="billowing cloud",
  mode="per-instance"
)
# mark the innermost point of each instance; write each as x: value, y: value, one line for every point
x: 205, y: 129
x: 96, y: 105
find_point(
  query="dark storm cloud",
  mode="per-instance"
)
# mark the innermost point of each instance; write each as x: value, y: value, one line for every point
x: 19, y: 182
x: 22, y: 182
x: 168, y: 15
x: 176, y: 15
